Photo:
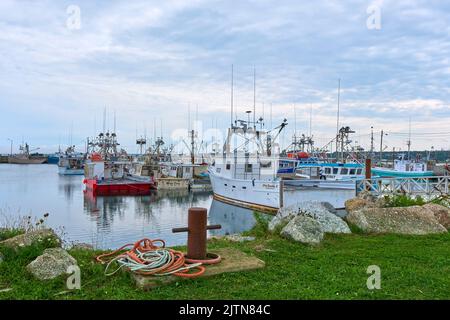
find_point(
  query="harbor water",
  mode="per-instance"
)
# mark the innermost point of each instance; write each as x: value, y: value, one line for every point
x: 106, y: 222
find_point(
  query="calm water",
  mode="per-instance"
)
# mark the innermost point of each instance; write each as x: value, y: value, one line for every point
x: 107, y: 222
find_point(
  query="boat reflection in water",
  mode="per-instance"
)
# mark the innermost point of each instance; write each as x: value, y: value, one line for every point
x: 233, y: 219
x: 125, y: 219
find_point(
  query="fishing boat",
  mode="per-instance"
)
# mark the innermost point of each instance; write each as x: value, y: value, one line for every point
x: 157, y: 165
x: 404, y: 168
x: 25, y: 157
x: 250, y: 179
x: 299, y: 163
x: 107, y: 170
x: 53, y: 158
x: 71, y: 162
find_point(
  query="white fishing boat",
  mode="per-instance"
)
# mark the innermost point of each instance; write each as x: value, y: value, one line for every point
x: 71, y: 162
x: 249, y: 178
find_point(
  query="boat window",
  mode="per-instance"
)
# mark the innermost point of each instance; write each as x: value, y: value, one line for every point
x: 352, y: 171
x: 344, y: 171
x: 248, y: 167
x: 218, y: 170
x: 359, y: 171
x: 335, y: 170
x: 228, y: 166
x: 187, y: 169
x: 244, y: 187
x: 266, y: 164
x: 327, y: 170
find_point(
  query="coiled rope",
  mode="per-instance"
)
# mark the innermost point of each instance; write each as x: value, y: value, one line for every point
x: 146, y: 258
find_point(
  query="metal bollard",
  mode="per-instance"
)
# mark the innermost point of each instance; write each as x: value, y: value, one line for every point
x: 196, y: 229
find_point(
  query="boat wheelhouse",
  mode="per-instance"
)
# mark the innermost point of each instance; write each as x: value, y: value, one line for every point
x: 71, y: 162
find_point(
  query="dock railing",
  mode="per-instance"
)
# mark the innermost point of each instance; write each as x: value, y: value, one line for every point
x: 426, y: 186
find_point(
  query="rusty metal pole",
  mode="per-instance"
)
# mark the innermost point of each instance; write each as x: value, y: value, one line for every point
x: 196, y: 229
x: 197, y: 233
x: 368, y: 171
x: 368, y: 168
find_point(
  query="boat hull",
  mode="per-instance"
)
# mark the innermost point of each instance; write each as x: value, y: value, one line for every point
x: 120, y: 187
x: 265, y: 196
x: 37, y: 160
x: 385, y: 173
x: 70, y: 172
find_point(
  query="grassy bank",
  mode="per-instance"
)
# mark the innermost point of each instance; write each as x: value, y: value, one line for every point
x: 412, y: 267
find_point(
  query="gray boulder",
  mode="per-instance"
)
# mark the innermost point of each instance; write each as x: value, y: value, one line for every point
x: 32, y: 237
x: 322, y: 212
x: 51, y: 264
x: 402, y: 220
x: 441, y: 213
x: 303, y: 229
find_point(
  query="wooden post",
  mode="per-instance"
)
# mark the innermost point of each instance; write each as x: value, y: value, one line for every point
x: 281, y: 193
x: 368, y: 168
x: 368, y: 174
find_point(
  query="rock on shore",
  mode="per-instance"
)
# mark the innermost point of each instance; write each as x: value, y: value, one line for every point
x: 51, y: 264
x: 403, y: 220
x: 322, y: 212
x: 308, y: 221
x: 32, y: 237
x: 370, y: 214
x: 303, y: 229
x: 441, y: 213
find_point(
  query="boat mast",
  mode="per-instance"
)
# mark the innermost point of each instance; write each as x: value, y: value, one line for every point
x: 337, y: 121
x: 254, y: 98
x: 408, y: 143
x: 231, y: 122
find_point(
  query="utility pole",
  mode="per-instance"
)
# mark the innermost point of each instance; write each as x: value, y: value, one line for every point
x: 381, y: 146
x: 337, y: 122
x: 10, y: 153
x: 371, y: 142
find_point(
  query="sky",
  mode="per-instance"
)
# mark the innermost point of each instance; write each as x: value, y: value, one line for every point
x: 162, y: 65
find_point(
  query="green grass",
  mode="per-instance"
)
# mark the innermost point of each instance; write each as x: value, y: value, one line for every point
x: 9, y: 233
x: 412, y: 267
x: 403, y: 201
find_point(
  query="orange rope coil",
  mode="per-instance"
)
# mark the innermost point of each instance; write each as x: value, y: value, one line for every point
x: 146, y: 258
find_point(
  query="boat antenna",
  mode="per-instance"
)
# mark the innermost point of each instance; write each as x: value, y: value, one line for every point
x: 254, y: 98
x: 154, y: 130
x: 271, y: 115
x: 338, y: 107
x: 189, y: 117
x: 114, y: 121
x: 310, y: 120
x: 232, y: 71
x: 295, y: 125
x: 104, y: 119
x: 409, y: 140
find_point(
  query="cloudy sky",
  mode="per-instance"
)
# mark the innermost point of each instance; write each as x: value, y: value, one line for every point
x: 148, y: 61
